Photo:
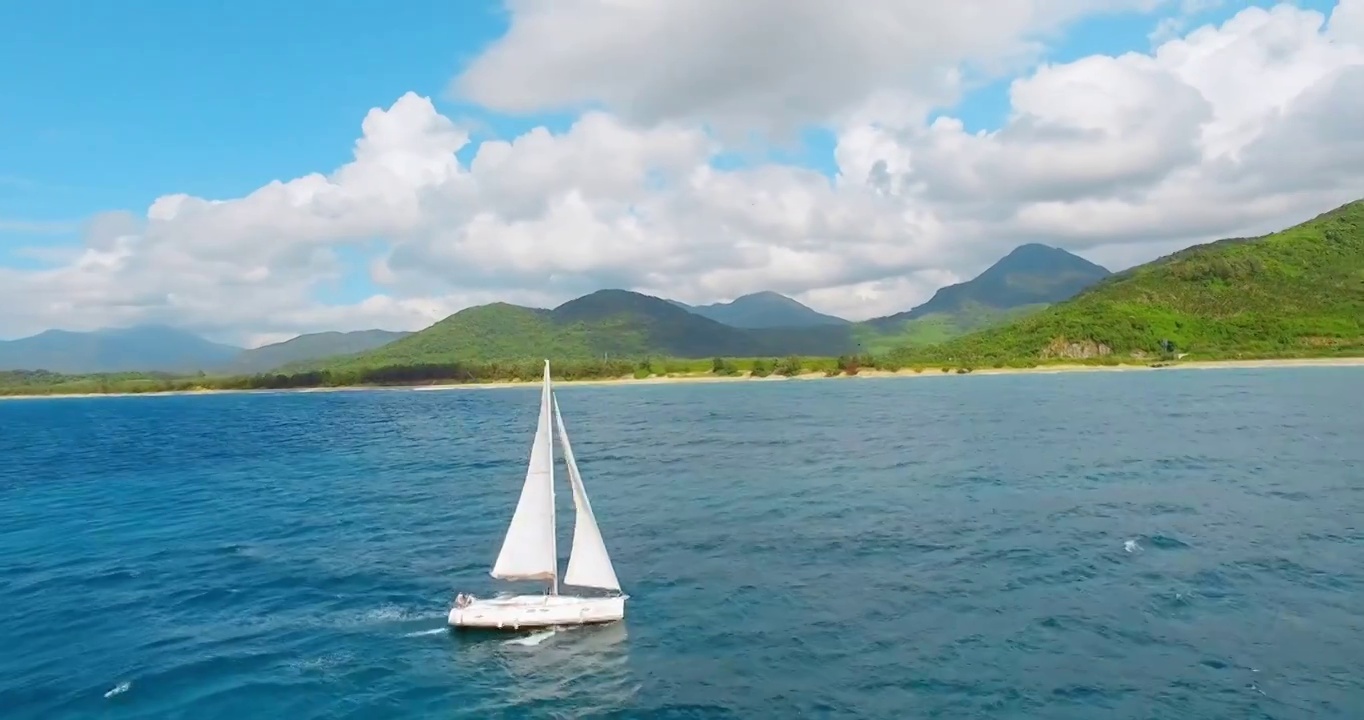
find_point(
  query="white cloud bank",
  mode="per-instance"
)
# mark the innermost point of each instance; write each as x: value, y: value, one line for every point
x: 1226, y: 130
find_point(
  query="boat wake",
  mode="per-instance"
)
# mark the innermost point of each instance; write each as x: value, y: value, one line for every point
x: 532, y: 639
x: 424, y: 633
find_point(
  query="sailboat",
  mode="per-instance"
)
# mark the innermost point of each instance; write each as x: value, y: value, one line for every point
x: 529, y: 551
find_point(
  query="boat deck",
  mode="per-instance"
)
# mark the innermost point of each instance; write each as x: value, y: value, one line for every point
x: 531, y: 611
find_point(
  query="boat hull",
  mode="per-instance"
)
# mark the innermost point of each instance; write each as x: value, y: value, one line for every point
x: 520, y: 612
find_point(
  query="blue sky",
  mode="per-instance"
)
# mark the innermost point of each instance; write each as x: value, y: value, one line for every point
x: 115, y: 104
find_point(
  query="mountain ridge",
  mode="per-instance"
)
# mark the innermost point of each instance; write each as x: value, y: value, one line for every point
x: 620, y: 323
x: 157, y: 348
x: 602, y: 324
x: 761, y: 310
x: 310, y: 346
x: 150, y: 347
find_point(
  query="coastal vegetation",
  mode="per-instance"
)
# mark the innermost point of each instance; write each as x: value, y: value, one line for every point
x: 47, y: 383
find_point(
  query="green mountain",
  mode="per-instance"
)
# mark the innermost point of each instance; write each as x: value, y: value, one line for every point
x: 1298, y: 292
x: 607, y: 323
x: 313, y: 346
x: 623, y: 324
x: 1023, y: 282
x: 148, y: 348
x: 764, y: 309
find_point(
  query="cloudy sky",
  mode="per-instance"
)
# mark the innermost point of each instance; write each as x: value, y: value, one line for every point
x: 255, y: 170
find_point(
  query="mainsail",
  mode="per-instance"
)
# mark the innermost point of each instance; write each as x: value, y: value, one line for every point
x: 528, y: 551
x: 589, y: 565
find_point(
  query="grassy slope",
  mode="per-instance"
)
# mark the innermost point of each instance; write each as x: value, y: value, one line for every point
x: 1299, y: 292
x: 935, y: 328
x: 487, y: 332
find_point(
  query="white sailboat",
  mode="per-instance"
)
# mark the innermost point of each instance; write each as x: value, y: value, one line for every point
x: 529, y: 551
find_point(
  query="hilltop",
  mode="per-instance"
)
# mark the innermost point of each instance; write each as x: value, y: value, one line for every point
x: 1031, y: 274
x: 1297, y: 292
x: 1023, y: 282
x: 139, y: 348
x: 764, y: 309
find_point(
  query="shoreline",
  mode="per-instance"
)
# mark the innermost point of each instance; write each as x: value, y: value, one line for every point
x: 709, y: 378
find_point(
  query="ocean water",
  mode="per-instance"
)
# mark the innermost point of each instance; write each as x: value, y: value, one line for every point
x: 1175, y: 544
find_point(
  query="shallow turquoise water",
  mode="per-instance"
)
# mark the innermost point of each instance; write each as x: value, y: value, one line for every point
x: 902, y: 548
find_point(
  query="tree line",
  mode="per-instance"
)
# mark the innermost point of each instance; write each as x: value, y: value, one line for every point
x: 42, y: 382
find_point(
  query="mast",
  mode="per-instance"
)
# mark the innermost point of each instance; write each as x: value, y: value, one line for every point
x: 547, y: 402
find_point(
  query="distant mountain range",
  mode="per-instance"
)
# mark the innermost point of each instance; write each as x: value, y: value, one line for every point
x: 159, y: 348
x: 764, y: 309
x: 619, y: 323
x: 605, y: 323
x: 152, y: 348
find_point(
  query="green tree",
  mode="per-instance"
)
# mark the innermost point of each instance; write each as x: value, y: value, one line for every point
x: 789, y: 367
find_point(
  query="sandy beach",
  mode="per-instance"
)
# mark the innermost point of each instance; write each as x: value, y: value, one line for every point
x: 708, y: 378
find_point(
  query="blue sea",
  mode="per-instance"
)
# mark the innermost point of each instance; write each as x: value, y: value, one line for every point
x: 1172, y: 544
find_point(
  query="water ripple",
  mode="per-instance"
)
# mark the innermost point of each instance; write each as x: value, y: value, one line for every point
x: 1101, y: 545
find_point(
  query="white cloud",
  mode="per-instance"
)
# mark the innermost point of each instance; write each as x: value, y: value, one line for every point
x: 1347, y: 22
x: 1228, y: 130
x: 1231, y: 129
x: 770, y: 64
x: 1167, y: 28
